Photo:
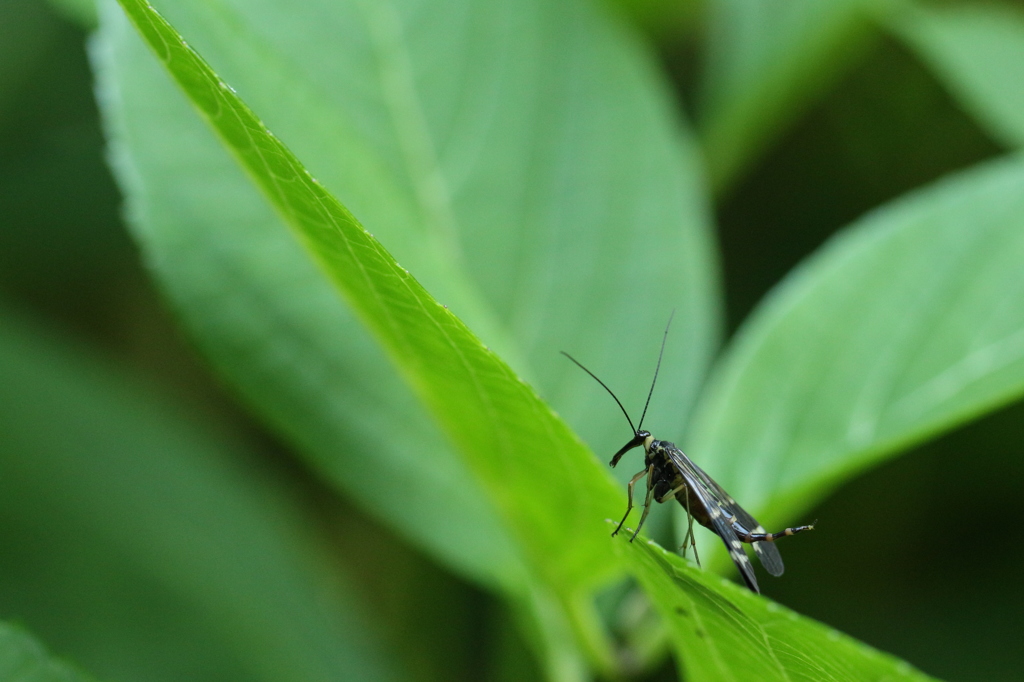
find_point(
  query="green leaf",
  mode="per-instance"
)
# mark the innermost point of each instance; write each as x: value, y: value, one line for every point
x: 555, y: 213
x: 23, y: 658
x: 544, y: 483
x: 272, y: 324
x: 721, y: 631
x: 902, y: 327
x: 765, y: 62
x: 149, y: 548
x: 978, y: 52
x: 491, y: 414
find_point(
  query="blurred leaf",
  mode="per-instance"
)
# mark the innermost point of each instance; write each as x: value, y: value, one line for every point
x: 540, y: 477
x: 82, y: 12
x: 513, y: 441
x: 665, y: 21
x: 550, y: 208
x: 22, y: 658
x: 540, y: 176
x: 147, y: 547
x: 271, y: 322
x: 765, y: 61
x: 902, y: 327
x: 721, y: 631
x: 978, y: 52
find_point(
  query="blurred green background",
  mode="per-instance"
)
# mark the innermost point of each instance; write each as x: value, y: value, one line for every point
x: 919, y: 557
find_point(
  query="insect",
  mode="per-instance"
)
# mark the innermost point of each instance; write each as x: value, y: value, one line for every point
x: 672, y: 475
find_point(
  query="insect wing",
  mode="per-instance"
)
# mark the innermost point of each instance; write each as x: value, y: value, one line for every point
x: 718, y: 516
x: 767, y: 552
x: 769, y: 555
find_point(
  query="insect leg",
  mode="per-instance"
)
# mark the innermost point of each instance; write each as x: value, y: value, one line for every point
x: 690, y: 539
x: 670, y: 494
x: 647, y: 502
x: 629, y: 491
x: 772, y: 537
x: 689, y: 534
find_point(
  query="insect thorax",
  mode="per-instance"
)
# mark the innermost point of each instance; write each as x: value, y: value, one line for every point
x: 664, y: 475
x: 666, y: 478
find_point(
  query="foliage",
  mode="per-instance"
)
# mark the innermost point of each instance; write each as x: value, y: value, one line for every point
x: 526, y: 165
x: 22, y: 658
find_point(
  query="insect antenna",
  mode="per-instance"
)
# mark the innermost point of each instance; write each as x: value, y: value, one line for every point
x: 605, y: 386
x: 664, y: 338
